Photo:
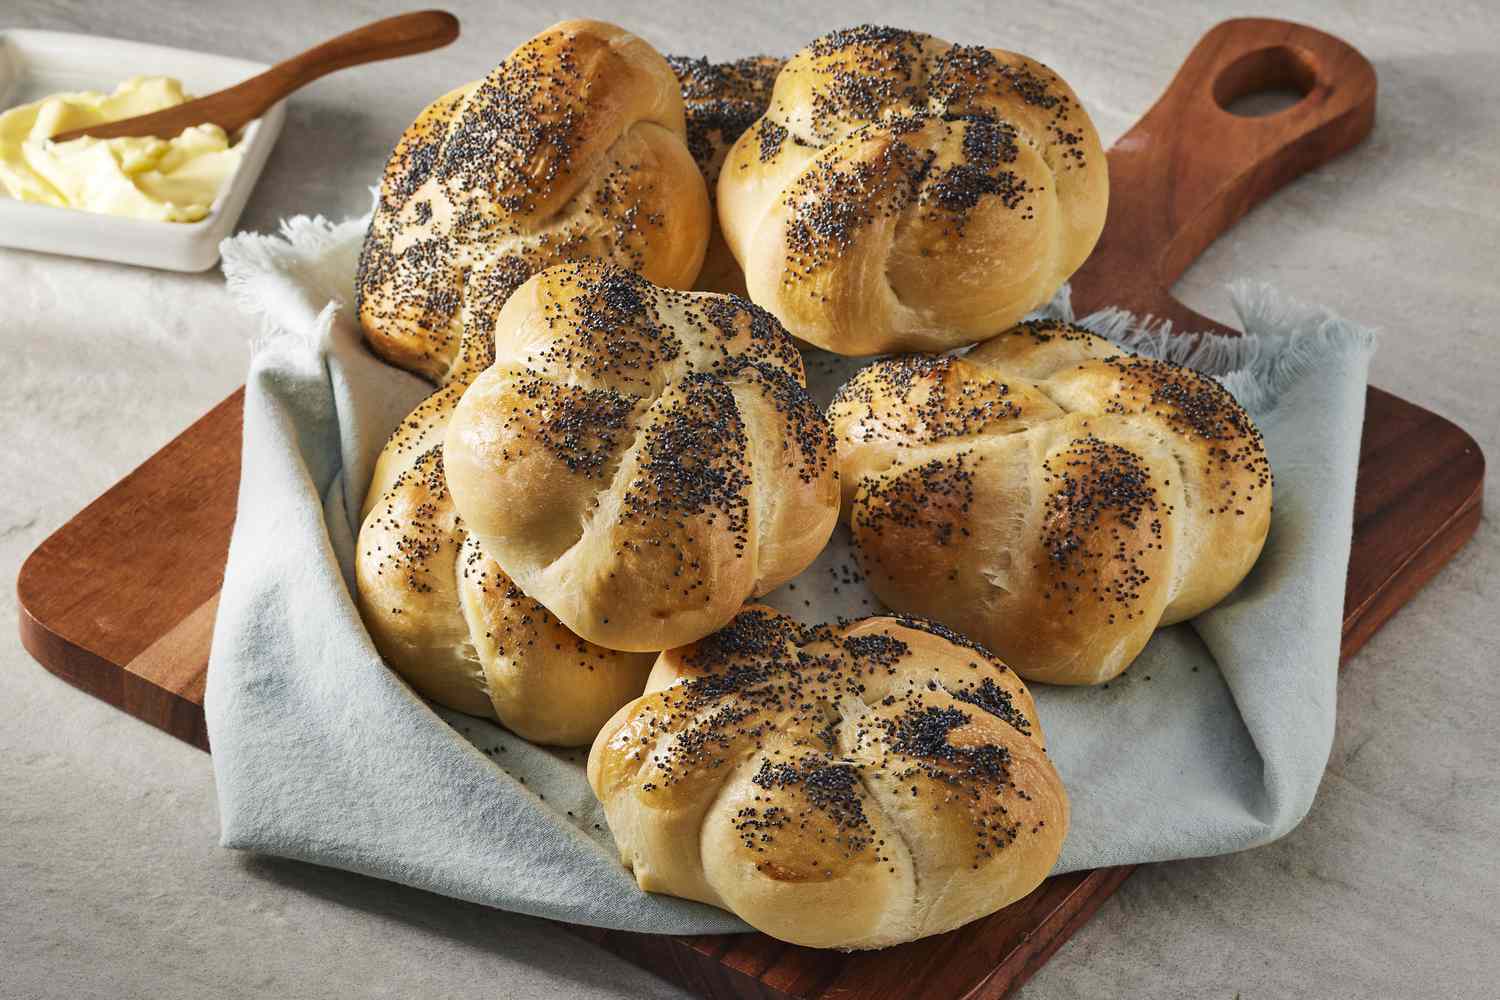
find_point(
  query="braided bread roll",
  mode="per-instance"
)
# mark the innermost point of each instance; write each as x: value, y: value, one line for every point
x: 1051, y: 495
x: 640, y: 460
x: 905, y: 193
x: 449, y: 620
x: 722, y: 101
x: 851, y: 787
x: 574, y: 146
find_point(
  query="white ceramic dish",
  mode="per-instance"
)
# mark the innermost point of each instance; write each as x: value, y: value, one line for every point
x: 34, y: 64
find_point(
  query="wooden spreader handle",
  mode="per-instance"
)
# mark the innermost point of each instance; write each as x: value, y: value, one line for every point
x: 402, y: 35
x: 232, y: 109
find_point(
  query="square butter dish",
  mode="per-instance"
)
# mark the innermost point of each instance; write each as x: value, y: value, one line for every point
x: 35, y: 64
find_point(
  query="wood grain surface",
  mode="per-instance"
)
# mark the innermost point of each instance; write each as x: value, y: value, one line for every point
x: 120, y: 601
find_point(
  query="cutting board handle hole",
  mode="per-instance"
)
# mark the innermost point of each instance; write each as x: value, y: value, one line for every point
x: 1265, y: 82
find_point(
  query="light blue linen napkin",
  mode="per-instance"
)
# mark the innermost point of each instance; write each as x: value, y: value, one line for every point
x: 1214, y: 741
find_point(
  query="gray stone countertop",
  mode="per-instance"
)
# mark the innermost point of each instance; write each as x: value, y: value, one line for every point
x: 111, y: 880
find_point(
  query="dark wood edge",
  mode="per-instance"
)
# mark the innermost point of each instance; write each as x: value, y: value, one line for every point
x: 79, y: 667
x: 1058, y: 926
x: 1414, y: 572
x: 115, y: 685
x: 698, y: 963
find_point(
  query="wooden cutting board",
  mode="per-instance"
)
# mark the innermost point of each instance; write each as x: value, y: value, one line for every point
x: 121, y: 600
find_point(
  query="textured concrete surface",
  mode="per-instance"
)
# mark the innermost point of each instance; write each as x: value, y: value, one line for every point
x: 110, y: 881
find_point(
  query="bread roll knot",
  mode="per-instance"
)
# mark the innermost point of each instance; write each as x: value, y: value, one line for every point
x: 902, y: 192
x: 642, y: 460
x: 448, y: 619
x: 574, y: 146
x: 851, y: 786
x: 1051, y: 495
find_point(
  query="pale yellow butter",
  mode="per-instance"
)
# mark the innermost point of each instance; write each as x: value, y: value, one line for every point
x: 169, y: 180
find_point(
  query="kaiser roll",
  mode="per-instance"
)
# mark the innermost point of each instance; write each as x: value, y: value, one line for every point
x: 574, y: 146
x: 1051, y: 495
x: 641, y: 460
x: 837, y: 787
x: 903, y: 192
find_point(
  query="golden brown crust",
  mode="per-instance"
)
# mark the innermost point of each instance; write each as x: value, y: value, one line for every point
x: 1050, y: 495
x: 722, y: 100
x: 447, y: 619
x: 641, y: 460
x: 574, y: 146
x: 838, y: 787
x: 902, y: 192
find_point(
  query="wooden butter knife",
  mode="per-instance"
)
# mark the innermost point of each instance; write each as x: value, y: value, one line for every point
x: 231, y: 109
